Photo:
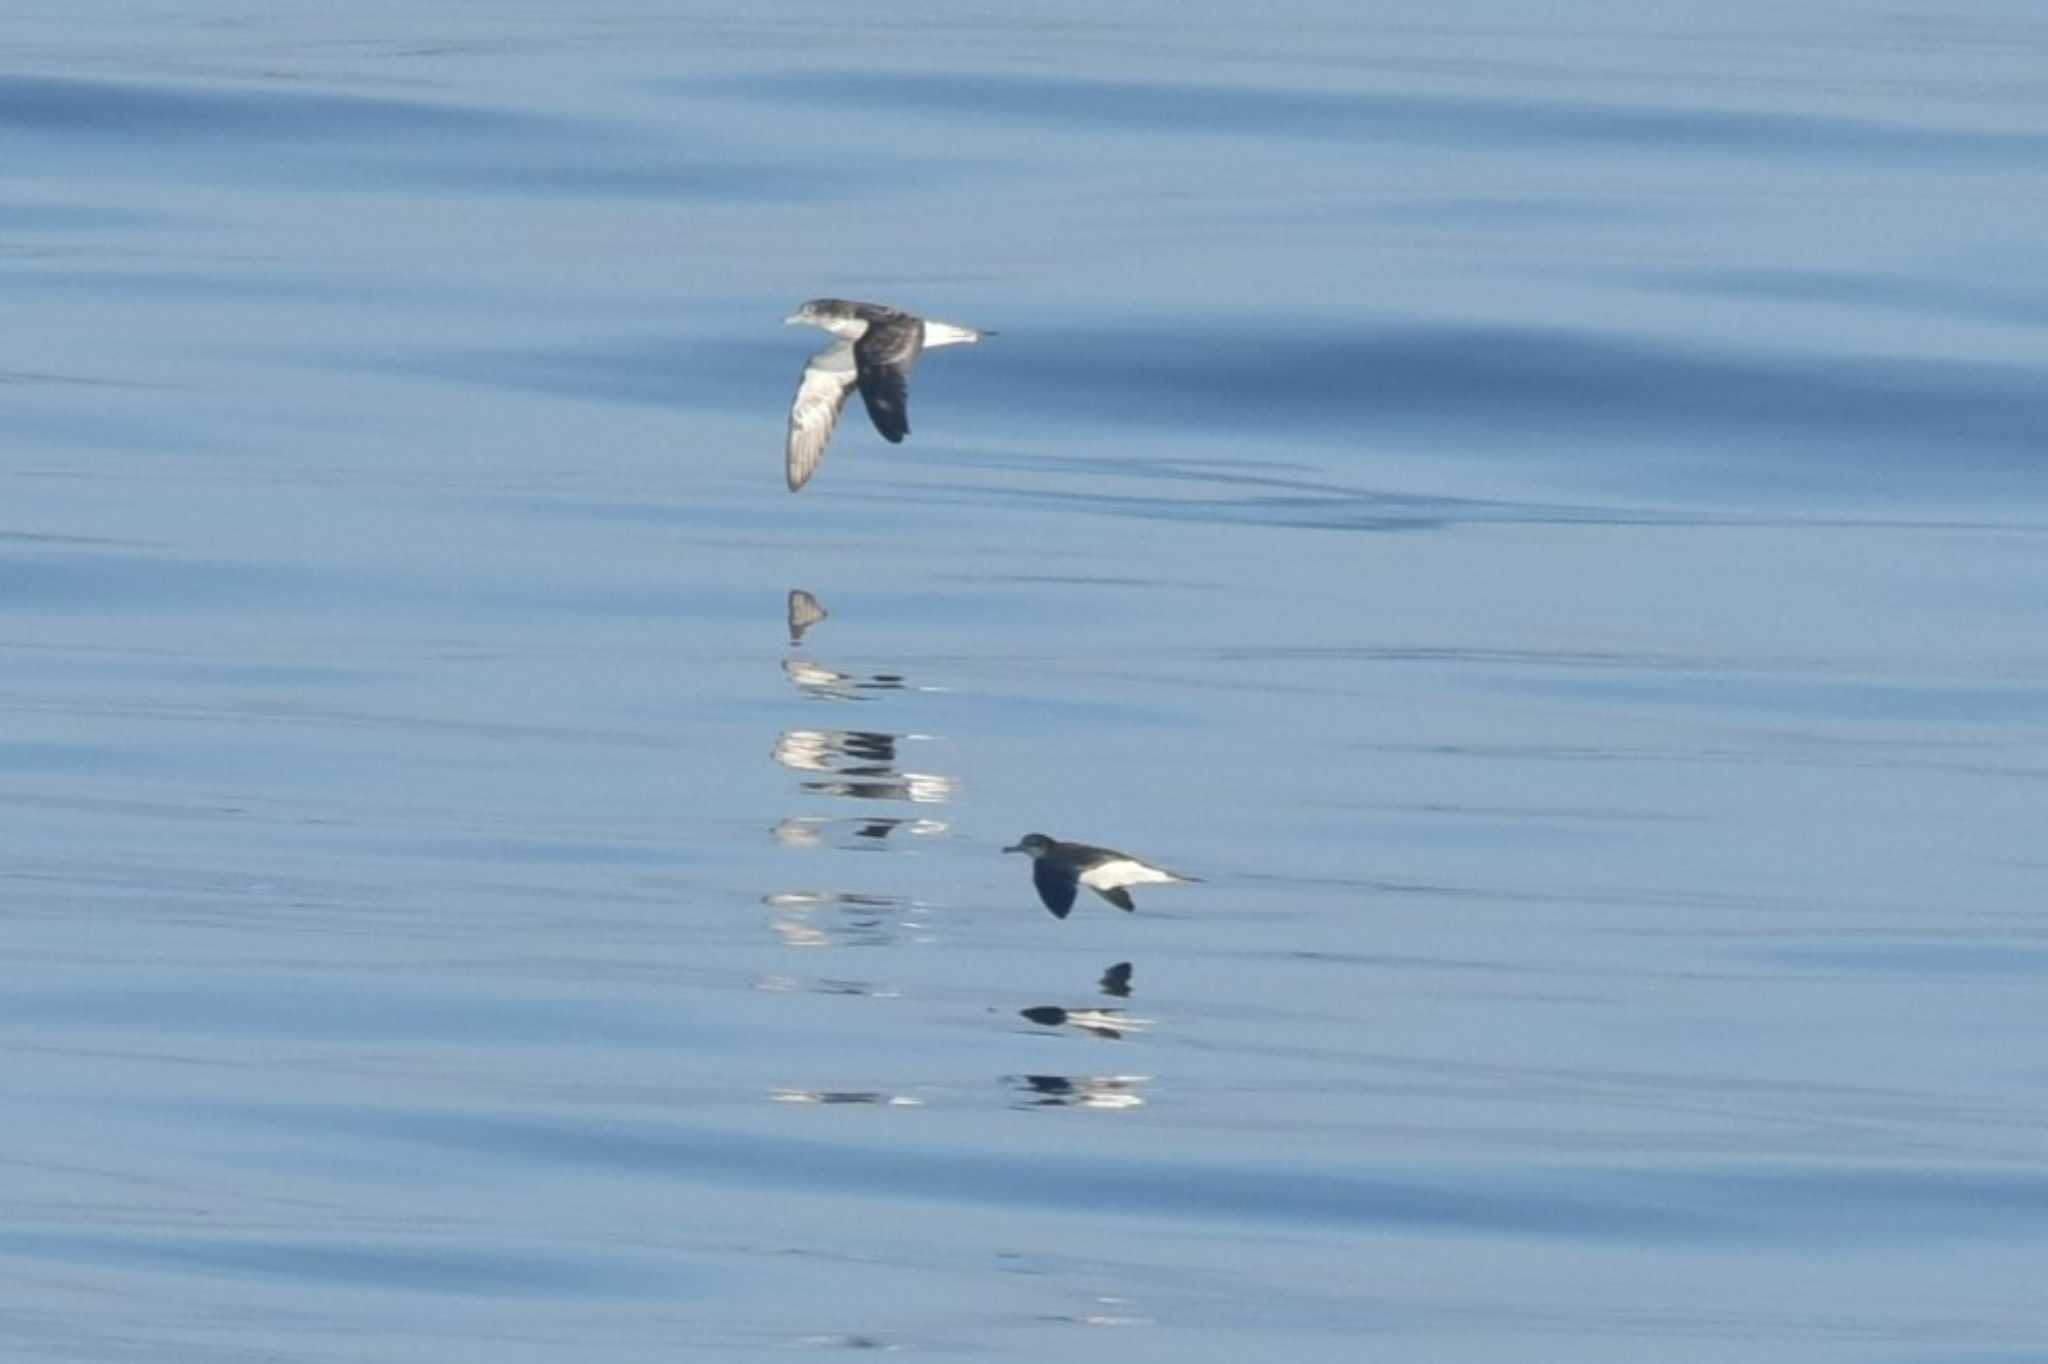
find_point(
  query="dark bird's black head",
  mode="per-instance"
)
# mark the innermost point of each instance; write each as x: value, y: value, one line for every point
x: 1038, y: 845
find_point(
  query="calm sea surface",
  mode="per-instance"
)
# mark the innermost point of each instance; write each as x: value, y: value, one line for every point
x: 1547, y: 515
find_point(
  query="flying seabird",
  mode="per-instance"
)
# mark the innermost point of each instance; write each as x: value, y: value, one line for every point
x: 1059, y: 869
x: 876, y: 347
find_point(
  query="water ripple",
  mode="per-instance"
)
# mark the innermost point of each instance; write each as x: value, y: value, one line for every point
x: 1428, y: 119
x: 1778, y: 1203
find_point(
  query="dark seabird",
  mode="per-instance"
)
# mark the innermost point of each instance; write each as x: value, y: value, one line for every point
x: 876, y: 347
x: 1059, y: 869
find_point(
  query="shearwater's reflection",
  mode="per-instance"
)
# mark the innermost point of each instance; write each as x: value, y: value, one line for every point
x: 829, y: 750
x: 817, y: 831
x: 1077, y: 1091
x: 804, y: 611
x: 864, y: 762
x: 1109, y: 1023
x: 855, y: 764
x: 837, y: 918
x: 921, y: 788
x: 1117, y: 980
x: 830, y: 684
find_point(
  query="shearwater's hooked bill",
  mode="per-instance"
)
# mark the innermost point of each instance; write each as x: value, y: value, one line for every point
x: 1060, y: 869
x: 876, y: 347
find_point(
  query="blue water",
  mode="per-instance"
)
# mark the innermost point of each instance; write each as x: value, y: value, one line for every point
x: 1544, y: 515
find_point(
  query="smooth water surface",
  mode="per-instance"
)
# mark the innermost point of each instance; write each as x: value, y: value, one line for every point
x: 1545, y: 516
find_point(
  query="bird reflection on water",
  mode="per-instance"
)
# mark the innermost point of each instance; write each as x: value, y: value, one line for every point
x: 829, y: 684
x: 802, y: 611
x: 844, y: 1096
x: 1107, y: 1023
x: 813, y: 831
x: 1104, y: 1022
x: 862, y: 761
x: 838, y: 918
x: 919, y: 788
x: 1077, y: 1091
x: 863, y: 764
x: 778, y: 984
x: 865, y: 759
x: 828, y: 750
x: 818, y: 681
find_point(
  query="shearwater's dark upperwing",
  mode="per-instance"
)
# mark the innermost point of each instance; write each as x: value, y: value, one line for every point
x: 821, y: 396
x: 884, y: 355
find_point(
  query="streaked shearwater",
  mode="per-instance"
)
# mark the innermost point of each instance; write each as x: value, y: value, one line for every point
x: 876, y: 347
x: 1059, y: 869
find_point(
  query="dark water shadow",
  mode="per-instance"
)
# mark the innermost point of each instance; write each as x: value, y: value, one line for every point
x: 1692, y: 418
x: 1777, y: 1204
x: 1388, y: 117
x: 1538, y: 391
x: 362, y: 1263
x: 2015, y: 306
x: 353, y: 141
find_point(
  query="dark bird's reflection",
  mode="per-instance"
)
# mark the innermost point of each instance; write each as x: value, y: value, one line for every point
x: 1109, y: 1023
x: 1077, y: 1091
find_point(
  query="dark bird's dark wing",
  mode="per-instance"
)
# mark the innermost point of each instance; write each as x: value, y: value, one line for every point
x: 820, y: 397
x: 884, y: 355
x: 1056, y: 886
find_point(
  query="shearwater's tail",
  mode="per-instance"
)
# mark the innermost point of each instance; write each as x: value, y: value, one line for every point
x: 948, y: 334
